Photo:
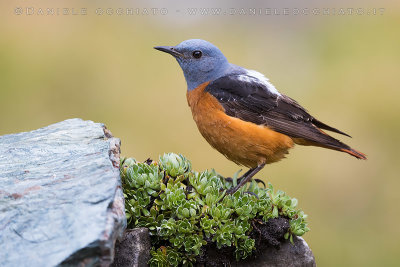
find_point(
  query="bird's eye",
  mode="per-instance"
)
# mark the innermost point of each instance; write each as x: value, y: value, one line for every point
x: 197, y: 54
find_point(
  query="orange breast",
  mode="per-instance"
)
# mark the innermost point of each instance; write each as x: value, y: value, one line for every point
x: 244, y: 143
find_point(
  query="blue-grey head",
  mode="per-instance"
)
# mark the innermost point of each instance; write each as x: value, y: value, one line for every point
x: 200, y: 61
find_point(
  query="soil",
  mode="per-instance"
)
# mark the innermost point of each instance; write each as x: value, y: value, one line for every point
x: 267, y: 235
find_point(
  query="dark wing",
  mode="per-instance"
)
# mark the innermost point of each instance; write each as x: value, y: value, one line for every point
x: 249, y: 99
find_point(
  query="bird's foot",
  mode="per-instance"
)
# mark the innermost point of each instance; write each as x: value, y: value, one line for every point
x: 228, y: 179
x: 246, y: 178
x: 233, y: 190
x: 260, y: 182
x: 254, y: 179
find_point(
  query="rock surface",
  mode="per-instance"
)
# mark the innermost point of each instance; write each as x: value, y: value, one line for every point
x: 298, y: 254
x: 61, y: 201
x: 133, y: 250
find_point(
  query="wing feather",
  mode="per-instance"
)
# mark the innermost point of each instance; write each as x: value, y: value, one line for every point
x: 251, y: 100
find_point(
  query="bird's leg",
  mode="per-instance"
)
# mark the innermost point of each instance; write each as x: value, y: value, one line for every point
x: 246, y: 177
x: 230, y: 180
x: 247, y: 173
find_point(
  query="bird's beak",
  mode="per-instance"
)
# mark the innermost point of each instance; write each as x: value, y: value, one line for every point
x: 170, y: 50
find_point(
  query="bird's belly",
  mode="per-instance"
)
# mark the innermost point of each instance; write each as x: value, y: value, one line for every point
x: 242, y: 142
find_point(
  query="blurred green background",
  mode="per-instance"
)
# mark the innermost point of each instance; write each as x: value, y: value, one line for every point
x: 343, y: 68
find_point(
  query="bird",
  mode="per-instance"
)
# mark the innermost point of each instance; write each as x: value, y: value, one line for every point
x: 242, y: 115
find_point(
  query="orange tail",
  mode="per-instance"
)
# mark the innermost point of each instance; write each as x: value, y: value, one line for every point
x: 354, y: 153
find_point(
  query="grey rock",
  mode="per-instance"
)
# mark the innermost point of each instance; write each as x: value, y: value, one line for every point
x: 298, y: 254
x: 133, y: 250
x: 61, y: 201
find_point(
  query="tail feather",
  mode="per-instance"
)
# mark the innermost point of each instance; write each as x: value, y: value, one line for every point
x: 335, y: 144
x: 354, y: 153
x: 324, y: 140
x: 340, y: 146
x: 324, y: 126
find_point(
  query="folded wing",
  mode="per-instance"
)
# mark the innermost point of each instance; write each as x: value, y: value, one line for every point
x: 251, y: 99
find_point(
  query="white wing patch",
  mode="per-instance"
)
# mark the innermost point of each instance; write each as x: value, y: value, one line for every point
x: 260, y: 78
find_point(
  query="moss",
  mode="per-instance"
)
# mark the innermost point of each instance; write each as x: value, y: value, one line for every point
x: 188, y: 211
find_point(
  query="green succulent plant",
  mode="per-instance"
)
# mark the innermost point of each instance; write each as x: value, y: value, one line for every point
x: 186, y: 210
x: 165, y: 256
x: 244, y: 248
x: 174, y: 165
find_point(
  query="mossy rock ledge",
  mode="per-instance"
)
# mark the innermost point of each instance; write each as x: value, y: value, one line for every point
x: 62, y: 204
x: 186, y: 218
x: 133, y: 249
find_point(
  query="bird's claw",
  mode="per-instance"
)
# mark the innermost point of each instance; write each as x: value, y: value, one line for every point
x: 228, y: 179
x: 260, y: 182
x: 233, y: 190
